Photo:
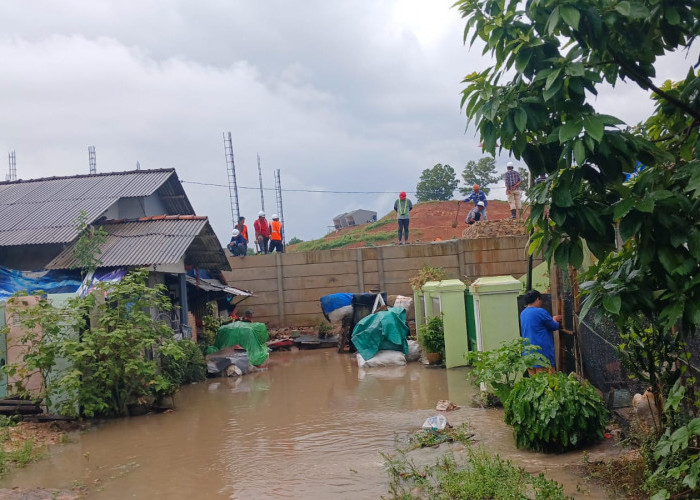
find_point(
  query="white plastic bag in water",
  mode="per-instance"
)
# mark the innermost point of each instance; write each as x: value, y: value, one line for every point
x: 436, y: 423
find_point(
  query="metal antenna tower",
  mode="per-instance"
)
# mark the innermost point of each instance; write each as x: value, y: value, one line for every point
x: 262, y: 197
x: 278, y: 196
x: 232, y: 186
x: 93, y: 159
x: 12, y: 176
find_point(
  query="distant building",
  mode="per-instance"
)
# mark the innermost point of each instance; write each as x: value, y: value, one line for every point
x: 339, y: 221
x: 354, y: 218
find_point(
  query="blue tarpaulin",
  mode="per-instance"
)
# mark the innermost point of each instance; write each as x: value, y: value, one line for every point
x: 13, y: 281
x: 330, y: 303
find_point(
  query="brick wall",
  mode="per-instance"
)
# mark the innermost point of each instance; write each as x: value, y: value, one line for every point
x: 287, y: 286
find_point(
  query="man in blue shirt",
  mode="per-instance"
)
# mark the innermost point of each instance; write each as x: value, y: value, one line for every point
x: 538, y: 327
x: 476, y: 197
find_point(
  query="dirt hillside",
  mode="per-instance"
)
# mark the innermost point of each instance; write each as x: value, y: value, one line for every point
x: 432, y: 221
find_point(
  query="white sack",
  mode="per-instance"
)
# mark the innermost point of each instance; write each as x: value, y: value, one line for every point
x: 382, y: 358
x: 337, y: 315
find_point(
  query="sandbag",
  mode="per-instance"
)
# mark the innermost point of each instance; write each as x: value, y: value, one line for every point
x: 337, y: 315
x: 414, y: 351
x: 330, y: 303
x: 383, y: 330
x: 382, y: 358
x: 250, y: 336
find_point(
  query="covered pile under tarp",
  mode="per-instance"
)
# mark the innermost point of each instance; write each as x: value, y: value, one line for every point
x: 381, y: 331
x: 250, y: 336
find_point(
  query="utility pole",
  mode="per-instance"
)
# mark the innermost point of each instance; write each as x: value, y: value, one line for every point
x: 278, y: 196
x: 262, y: 196
x: 232, y: 186
x: 92, y: 156
x: 12, y: 175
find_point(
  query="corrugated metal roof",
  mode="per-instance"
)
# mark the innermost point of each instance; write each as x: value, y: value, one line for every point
x: 214, y: 285
x: 155, y: 240
x: 42, y: 211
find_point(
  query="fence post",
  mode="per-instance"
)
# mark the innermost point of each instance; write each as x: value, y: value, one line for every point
x: 280, y: 289
x: 380, y: 268
x: 360, y: 270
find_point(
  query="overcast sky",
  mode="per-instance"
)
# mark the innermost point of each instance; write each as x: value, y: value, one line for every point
x: 355, y: 95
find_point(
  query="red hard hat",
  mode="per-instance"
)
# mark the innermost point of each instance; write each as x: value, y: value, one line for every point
x: 402, y: 195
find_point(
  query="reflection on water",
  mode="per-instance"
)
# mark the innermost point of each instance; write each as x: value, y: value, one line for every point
x: 311, y: 426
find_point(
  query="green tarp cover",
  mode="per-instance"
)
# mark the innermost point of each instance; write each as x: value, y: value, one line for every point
x: 381, y: 331
x: 250, y: 336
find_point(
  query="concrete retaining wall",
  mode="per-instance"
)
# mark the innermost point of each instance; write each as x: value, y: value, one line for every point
x: 288, y: 286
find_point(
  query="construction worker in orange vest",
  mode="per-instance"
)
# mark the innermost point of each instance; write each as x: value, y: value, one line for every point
x: 243, y: 229
x: 276, y: 234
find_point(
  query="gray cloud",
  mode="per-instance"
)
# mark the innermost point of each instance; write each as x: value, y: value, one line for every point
x: 353, y: 96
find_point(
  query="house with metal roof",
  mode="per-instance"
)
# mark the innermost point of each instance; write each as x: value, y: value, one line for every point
x: 147, y: 217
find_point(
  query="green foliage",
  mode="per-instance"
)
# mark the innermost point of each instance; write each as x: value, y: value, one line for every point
x: 437, y: 183
x: 537, y: 100
x: 106, y: 347
x: 525, y: 176
x: 482, y: 476
x: 294, y: 241
x: 431, y: 335
x: 183, y: 366
x: 500, y: 368
x: 211, y: 322
x: 428, y: 438
x: 677, y: 453
x: 425, y: 274
x: 88, y: 247
x: 482, y: 172
x: 359, y: 236
x: 324, y: 328
x: 554, y: 412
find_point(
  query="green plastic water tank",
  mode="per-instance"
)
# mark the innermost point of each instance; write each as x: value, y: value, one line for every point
x: 447, y: 298
x: 495, y: 311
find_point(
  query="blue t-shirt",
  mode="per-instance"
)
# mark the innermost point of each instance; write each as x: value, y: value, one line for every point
x: 477, y: 197
x: 537, y: 326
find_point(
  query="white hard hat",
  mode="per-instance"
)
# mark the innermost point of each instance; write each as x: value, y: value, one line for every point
x: 275, y: 216
x: 509, y: 164
x: 480, y: 204
x: 235, y: 233
x: 261, y: 214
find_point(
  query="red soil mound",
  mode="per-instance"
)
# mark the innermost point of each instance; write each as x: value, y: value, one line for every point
x: 432, y: 221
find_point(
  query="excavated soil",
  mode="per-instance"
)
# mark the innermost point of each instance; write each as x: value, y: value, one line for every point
x: 432, y: 221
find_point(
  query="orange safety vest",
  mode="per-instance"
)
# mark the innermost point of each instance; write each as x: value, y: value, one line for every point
x: 276, y: 230
x: 244, y: 231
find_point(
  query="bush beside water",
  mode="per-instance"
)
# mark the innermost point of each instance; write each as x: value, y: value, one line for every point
x: 554, y: 412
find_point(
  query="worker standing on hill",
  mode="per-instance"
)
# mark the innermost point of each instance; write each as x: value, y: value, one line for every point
x: 513, y: 182
x: 262, y: 232
x: 276, y: 235
x: 476, y: 214
x: 476, y: 197
x: 402, y: 207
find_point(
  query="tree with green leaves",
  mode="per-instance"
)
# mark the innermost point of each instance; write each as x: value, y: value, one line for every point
x: 437, y: 183
x: 525, y: 176
x: 88, y: 247
x: 482, y: 172
x: 536, y: 100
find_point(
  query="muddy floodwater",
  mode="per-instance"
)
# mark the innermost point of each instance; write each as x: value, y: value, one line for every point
x: 311, y: 426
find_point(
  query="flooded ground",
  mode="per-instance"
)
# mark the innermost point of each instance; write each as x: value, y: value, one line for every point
x: 312, y: 426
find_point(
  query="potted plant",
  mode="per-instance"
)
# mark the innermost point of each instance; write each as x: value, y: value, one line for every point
x: 431, y: 337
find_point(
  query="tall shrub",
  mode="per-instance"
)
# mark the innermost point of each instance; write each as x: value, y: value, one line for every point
x: 107, y: 347
x: 554, y: 412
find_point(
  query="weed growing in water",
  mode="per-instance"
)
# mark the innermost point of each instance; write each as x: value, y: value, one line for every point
x: 426, y: 438
x: 481, y: 476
